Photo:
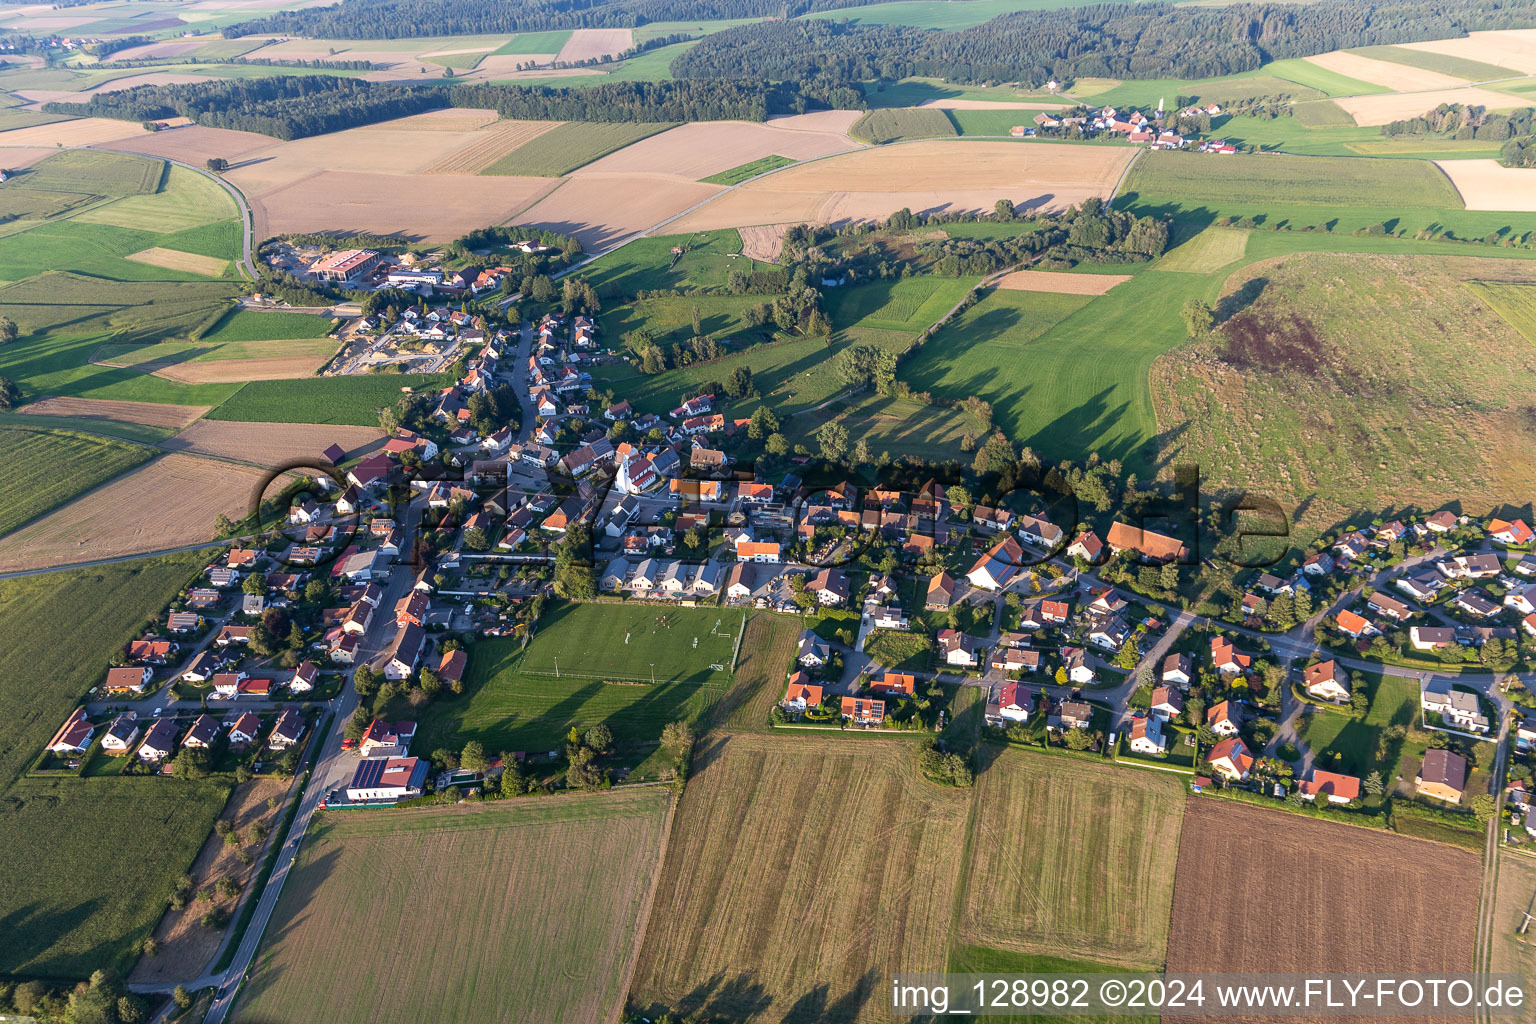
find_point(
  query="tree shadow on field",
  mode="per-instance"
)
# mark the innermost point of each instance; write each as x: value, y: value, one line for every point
x: 717, y: 999
x: 1231, y: 305
x: 814, y: 1008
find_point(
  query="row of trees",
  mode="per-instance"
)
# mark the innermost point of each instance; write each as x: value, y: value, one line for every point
x: 1466, y: 121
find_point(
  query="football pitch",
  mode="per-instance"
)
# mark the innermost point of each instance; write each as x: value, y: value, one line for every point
x: 630, y: 643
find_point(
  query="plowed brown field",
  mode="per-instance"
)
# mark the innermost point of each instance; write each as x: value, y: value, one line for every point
x: 150, y: 414
x: 271, y: 444
x: 1267, y: 891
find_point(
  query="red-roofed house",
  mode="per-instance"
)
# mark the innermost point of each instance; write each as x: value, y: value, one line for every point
x: 1230, y: 759
x: 1339, y: 789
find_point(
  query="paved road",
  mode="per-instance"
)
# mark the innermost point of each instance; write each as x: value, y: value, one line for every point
x: 520, y: 381
x: 332, y: 768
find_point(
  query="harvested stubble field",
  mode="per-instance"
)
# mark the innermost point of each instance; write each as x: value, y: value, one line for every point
x: 593, y: 43
x: 1397, y: 77
x: 1371, y: 111
x: 922, y: 176
x: 1487, y: 185
x: 1071, y: 858
x: 86, y: 131
x: 359, y: 201
x: 170, y: 259
x: 271, y: 444
x: 302, y: 360
x: 764, y: 242
x: 1061, y: 284
x: 703, y: 148
x: 1509, y: 48
x: 192, y: 143
x: 799, y: 877
x: 45, y: 468
x: 169, y: 502
x: 1413, y: 909
x: 500, y: 913
x: 1335, y: 384
x: 497, y: 140
x: 1515, y: 896
x: 185, y: 945
x: 599, y: 210
x: 149, y: 414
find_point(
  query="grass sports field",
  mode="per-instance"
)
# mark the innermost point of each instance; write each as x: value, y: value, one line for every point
x: 49, y: 467
x: 686, y: 645
x: 355, y: 400
x: 514, y: 700
x: 800, y: 874
x: 893, y: 125
x: 1072, y: 857
x: 519, y: 910
x: 566, y: 147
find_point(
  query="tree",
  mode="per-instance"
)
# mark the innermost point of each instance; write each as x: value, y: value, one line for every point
x: 599, y: 738
x: 190, y: 764
x: 1078, y: 739
x: 778, y: 445
x: 476, y: 540
x: 180, y: 996
x: 217, y: 164
x: 10, y: 394
x: 431, y: 682
x: 9, y: 332
x: 1197, y: 318
x: 1484, y: 806
x: 1373, y: 784
x: 254, y: 585
x: 739, y: 383
x: 474, y: 758
x: 833, y: 438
